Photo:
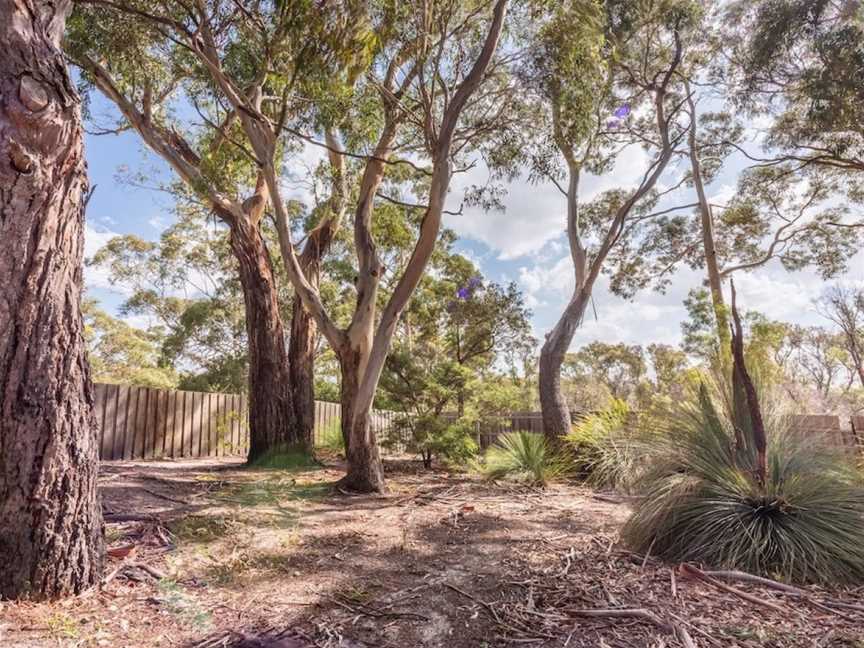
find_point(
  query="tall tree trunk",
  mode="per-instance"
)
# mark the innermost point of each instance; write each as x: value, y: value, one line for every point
x: 304, y: 331
x: 50, y: 521
x: 304, y: 334
x: 553, y: 405
x: 271, y: 411
x: 365, y: 472
x: 712, y: 265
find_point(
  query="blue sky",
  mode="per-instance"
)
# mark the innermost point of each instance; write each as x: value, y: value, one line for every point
x: 525, y: 243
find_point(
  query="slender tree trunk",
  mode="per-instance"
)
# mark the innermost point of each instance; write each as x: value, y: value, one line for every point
x: 301, y: 362
x: 365, y: 472
x: 304, y: 334
x: 553, y: 405
x: 50, y: 521
x: 304, y: 331
x: 271, y: 411
x: 715, y: 281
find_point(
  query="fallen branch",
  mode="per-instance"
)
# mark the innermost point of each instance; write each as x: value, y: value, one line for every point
x: 825, y: 605
x: 621, y: 613
x: 758, y: 580
x: 695, y: 572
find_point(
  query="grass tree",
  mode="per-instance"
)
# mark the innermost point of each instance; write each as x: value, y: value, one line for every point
x: 180, y: 74
x: 606, y: 86
x: 728, y: 483
x: 50, y: 519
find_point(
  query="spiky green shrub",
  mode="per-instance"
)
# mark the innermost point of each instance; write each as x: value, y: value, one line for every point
x: 705, y: 501
x: 523, y: 456
x: 605, y: 447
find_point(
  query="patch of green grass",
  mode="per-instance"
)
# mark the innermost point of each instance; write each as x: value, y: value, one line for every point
x: 284, y: 457
x: 62, y: 626
x: 330, y: 437
x: 202, y: 528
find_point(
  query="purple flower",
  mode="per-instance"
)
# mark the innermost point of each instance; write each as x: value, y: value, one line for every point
x: 475, y: 282
x: 463, y: 293
x: 622, y: 111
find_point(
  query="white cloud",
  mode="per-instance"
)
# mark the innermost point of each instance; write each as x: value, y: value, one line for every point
x: 97, y: 277
x: 535, y: 215
x: 157, y: 222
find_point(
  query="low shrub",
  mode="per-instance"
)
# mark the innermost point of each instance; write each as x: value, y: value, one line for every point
x: 605, y: 448
x: 524, y: 456
x: 434, y: 437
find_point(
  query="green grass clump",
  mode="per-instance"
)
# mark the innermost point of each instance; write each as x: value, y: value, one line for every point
x: 284, y: 457
x: 523, y: 456
x: 331, y: 437
x: 704, y: 503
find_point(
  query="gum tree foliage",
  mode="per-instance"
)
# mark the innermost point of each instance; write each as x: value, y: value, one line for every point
x: 120, y: 353
x: 602, y: 78
x: 817, y: 357
x: 619, y: 370
x: 783, y: 212
x: 186, y: 283
x: 845, y: 308
x: 458, y: 332
x: 774, y: 216
x: 188, y: 77
x: 801, y: 62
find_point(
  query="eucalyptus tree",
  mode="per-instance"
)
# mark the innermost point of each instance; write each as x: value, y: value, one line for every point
x: 844, y: 307
x: 425, y: 78
x: 181, y: 75
x: 605, y: 87
x: 185, y: 284
x: 50, y: 519
x: 121, y: 353
x: 458, y: 328
x: 793, y: 219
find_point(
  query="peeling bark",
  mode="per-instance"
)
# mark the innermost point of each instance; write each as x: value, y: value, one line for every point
x: 50, y: 520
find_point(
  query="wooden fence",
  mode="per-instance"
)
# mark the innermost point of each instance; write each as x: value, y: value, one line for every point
x: 149, y: 423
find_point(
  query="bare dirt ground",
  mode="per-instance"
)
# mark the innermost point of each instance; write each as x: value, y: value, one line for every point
x: 209, y: 554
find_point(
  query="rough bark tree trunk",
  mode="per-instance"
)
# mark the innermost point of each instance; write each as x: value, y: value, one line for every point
x: 304, y: 335
x: 271, y: 411
x: 50, y: 521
